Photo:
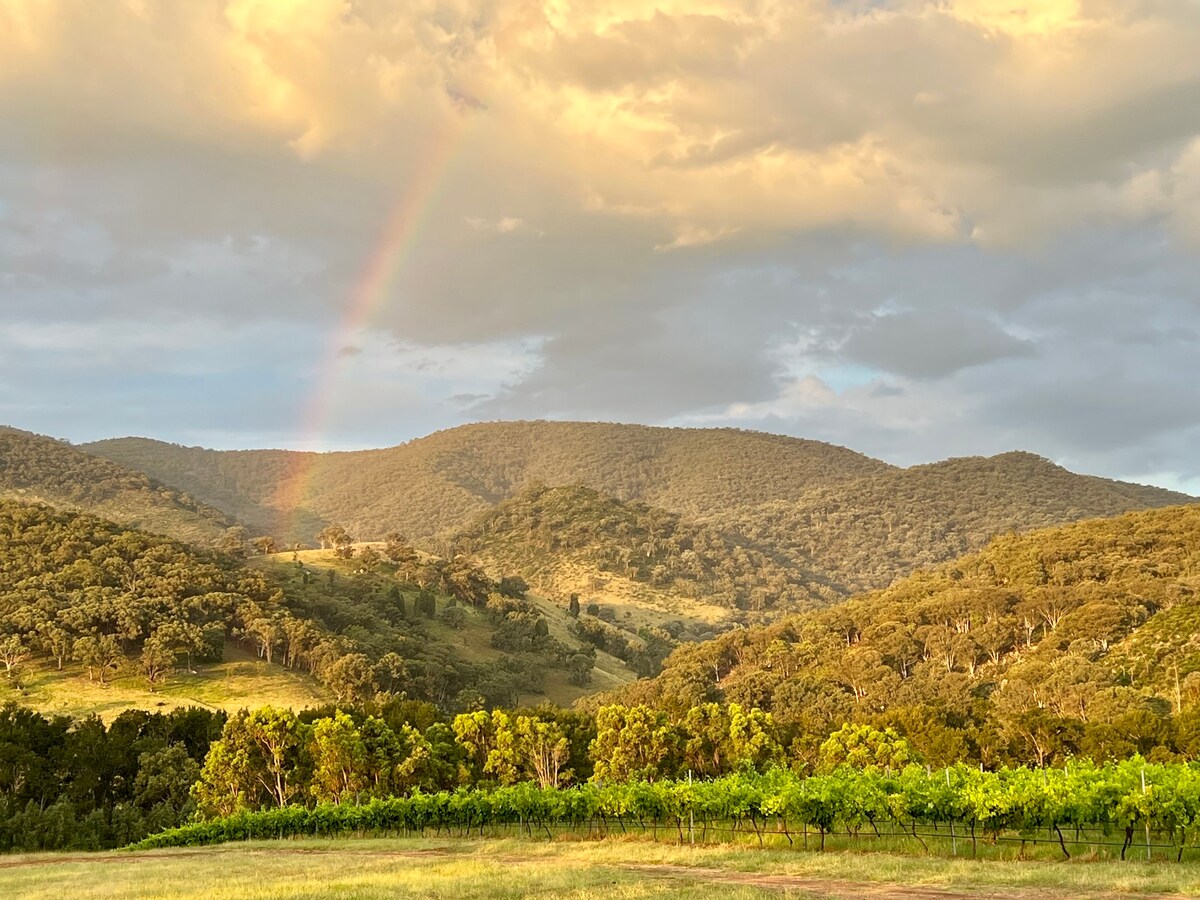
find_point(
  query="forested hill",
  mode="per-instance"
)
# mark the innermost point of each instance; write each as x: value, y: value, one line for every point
x: 542, y: 531
x: 37, y: 468
x: 84, y: 597
x: 865, y: 533
x: 443, y: 480
x: 1039, y: 637
x: 850, y: 520
x: 251, y: 485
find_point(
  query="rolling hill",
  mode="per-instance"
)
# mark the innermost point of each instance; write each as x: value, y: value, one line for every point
x: 835, y: 516
x: 41, y: 469
x: 1082, y: 638
x: 85, y: 601
x: 551, y: 534
x: 865, y: 533
x: 441, y: 481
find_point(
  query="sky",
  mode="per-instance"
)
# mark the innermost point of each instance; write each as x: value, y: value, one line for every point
x: 917, y: 229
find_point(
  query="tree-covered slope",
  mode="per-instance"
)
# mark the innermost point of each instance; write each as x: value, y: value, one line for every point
x: 849, y: 520
x: 37, y: 468
x: 543, y: 530
x: 86, y: 599
x: 1039, y: 637
x: 441, y: 481
x: 250, y: 485
x: 867, y: 532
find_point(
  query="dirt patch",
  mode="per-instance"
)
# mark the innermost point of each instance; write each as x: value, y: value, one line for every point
x: 856, y: 890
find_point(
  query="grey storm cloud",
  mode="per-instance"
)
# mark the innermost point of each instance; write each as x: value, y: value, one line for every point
x: 931, y: 344
x: 915, y: 229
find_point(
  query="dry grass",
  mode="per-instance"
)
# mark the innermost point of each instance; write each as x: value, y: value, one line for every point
x: 467, y: 869
x: 241, y: 680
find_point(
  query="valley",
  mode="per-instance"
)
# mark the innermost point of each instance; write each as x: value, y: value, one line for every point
x: 672, y: 604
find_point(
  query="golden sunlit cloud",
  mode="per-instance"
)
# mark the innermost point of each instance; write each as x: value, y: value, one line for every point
x: 914, y: 119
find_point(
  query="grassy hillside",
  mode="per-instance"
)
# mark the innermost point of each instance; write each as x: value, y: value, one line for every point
x: 831, y: 515
x: 42, y: 469
x: 1075, y: 639
x: 547, y: 534
x: 444, y: 654
x: 240, y: 680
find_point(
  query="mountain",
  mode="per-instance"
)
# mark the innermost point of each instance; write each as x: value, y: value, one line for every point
x: 551, y: 535
x: 441, y: 481
x: 1073, y: 639
x: 42, y: 469
x: 834, y: 516
x: 866, y: 532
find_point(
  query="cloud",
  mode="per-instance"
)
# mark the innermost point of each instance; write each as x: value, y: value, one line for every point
x: 930, y: 344
x: 910, y: 227
x: 503, y: 225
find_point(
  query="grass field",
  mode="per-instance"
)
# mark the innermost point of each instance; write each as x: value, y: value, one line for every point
x: 466, y: 869
x: 241, y: 680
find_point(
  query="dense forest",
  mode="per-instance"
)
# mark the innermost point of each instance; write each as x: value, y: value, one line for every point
x: 80, y: 784
x: 36, y: 468
x: 866, y: 532
x: 541, y: 529
x: 79, y: 591
x: 834, y: 516
x: 1076, y: 640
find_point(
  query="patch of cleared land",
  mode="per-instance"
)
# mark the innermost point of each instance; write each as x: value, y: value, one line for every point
x: 466, y: 869
x: 240, y: 680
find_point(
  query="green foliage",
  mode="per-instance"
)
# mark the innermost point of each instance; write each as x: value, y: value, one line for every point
x: 633, y: 743
x: 37, y: 468
x: 339, y: 758
x: 866, y: 533
x: 253, y: 762
x: 1077, y: 640
x: 864, y: 747
x: 541, y: 529
x: 81, y: 785
x: 1121, y: 796
x: 74, y: 586
x: 110, y: 598
x: 823, y: 514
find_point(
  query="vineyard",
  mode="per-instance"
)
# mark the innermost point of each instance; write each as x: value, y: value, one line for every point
x: 1113, y: 809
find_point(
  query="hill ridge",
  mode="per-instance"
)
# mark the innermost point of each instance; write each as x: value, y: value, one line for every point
x: 37, y: 468
x: 857, y: 521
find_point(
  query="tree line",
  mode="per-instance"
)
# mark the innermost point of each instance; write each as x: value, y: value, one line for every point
x: 77, y: 784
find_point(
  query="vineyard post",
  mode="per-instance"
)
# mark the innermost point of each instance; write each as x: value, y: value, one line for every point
x: 691, y: 813
x: 1147, y: 817
x: 953, y: 836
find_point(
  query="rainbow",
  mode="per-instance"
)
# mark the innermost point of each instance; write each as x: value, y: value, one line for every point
x: 372, y: 290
